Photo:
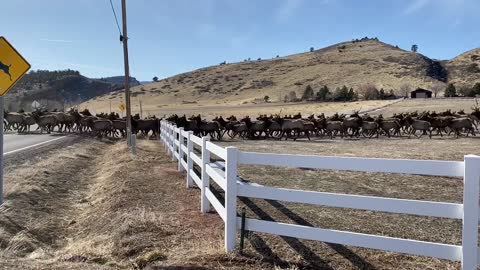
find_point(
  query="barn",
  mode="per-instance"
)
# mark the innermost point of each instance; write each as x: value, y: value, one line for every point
x: 421, y: 93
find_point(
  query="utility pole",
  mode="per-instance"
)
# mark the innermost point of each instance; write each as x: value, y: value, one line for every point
x: 124, y: 39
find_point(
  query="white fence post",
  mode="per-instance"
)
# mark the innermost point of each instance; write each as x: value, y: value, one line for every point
x: 205, y: 204
x: 174, y: 146
x: 168, y: 139
x: 180, y: 151
x: 165, y: 136
x: 189, y: 159
x: 231, y: 199
x: 471, y: 183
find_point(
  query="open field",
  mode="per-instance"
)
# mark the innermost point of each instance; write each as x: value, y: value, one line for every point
x: 209, y: 110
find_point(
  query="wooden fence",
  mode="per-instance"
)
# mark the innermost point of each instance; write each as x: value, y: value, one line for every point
x: 180, y: 145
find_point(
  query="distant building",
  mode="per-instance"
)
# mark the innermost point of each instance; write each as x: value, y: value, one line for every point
x: 421, y: 93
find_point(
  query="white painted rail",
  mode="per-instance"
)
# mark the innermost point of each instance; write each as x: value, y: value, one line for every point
x: 412, y: 207
x: 224, y: 173
x: 407, y: 166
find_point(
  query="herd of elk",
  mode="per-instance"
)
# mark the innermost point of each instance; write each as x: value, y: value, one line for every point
x: 353, y: 125
x: 84, y: 122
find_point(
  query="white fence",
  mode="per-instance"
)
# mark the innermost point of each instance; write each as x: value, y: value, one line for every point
x: 180, y: 145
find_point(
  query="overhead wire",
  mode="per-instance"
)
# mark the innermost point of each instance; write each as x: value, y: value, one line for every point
x: 116, y: 21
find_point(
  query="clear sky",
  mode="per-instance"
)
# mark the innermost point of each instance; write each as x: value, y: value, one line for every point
x: 173, y: 36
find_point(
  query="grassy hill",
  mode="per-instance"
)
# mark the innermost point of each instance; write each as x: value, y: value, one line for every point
x: 353, y: 64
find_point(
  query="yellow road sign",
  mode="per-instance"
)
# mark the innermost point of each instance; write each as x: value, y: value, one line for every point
x: 121, y: 107
x: 12, y: 66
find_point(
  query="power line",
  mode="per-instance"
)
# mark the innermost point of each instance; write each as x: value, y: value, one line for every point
x: 116, y: 20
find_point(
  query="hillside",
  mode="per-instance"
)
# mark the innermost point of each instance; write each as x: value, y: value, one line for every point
x: 465, y: 68
x: 56, y: 89
x: 353, y: 64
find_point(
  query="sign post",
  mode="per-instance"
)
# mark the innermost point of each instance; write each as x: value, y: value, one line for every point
x: 12, y: 67
x: 35, y: 105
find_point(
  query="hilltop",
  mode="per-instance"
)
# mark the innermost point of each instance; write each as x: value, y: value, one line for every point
x: 59, y: 88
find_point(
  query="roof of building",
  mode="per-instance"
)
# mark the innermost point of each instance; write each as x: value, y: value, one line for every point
x: 421, y: 90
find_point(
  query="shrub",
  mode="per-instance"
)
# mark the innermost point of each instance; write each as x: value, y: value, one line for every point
x: 473, y: 68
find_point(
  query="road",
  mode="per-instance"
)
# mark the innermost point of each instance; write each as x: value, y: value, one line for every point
x: 14, y: 143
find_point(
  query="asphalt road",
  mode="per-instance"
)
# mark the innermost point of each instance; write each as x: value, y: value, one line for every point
x: 14, y: 143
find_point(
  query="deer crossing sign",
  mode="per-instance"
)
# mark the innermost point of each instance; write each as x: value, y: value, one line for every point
x: 12, y: 66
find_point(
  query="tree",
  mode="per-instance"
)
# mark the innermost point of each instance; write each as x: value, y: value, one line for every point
x: 436, y: 87
x: 155, y: 79
x: 405, y: 89
x: 450, y: 91
x: 323, y: 93
x: 266, y: 98
x: 368, y: 91
x: 312, y: 49
x: 351, y: 94
x: 285, y: 98
x: 414, y: 48
x: 381, y: 94
x: 341, y: 94
x: 476, y: 89
x: 308, y: 93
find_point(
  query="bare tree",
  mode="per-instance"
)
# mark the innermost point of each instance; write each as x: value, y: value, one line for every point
x: 437, y: 87
x: 405, y: 89
x: 366, y: 90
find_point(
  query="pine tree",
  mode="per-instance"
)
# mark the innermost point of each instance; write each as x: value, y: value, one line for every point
x: 323, y: 93
x: 450, y: 91
x: 308, y: 93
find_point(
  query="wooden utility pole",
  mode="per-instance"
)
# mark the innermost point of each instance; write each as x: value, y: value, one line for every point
x: 124, y: 38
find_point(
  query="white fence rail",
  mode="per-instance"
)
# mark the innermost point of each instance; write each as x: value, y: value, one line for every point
x: 180, y: 145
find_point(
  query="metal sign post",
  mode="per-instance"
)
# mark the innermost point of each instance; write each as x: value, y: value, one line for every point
x: 1, y: 150
x: 12, y: 67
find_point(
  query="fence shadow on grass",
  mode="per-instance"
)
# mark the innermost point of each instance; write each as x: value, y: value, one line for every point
x: 356, y: 260
x: 307, y: 254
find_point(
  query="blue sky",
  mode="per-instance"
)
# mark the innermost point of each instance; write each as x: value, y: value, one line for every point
x: 168, y: 37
